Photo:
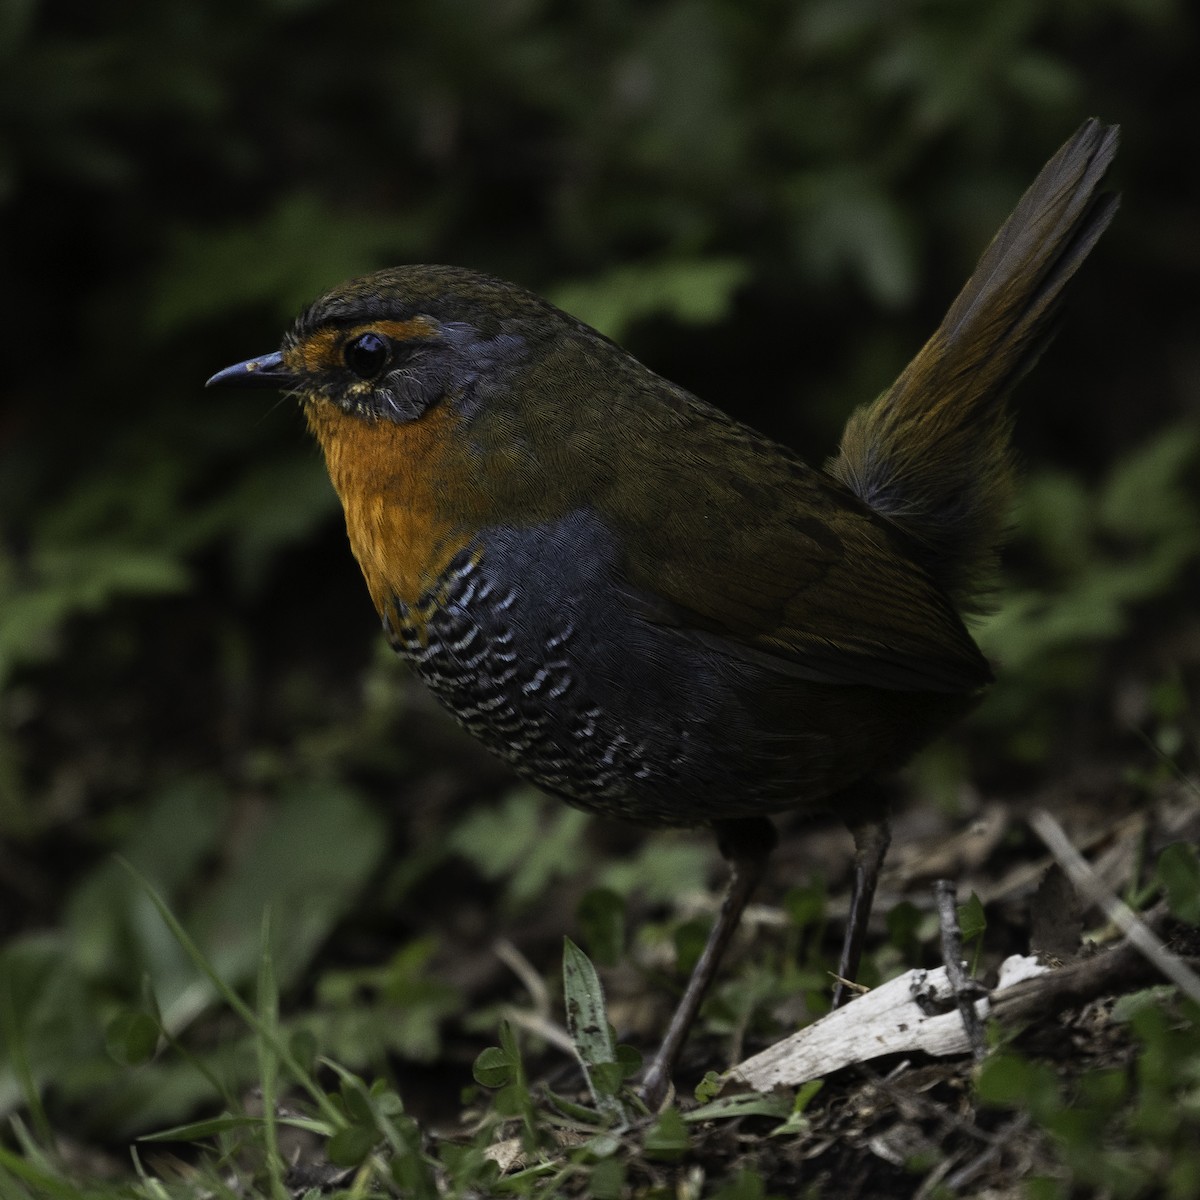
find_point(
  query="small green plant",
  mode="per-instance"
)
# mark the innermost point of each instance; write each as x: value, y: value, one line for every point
x: 1130, y: 1130
x: 972, y: 923
x: 605, y: 1064
x: 564, y: 1138
x: 1178, y: 874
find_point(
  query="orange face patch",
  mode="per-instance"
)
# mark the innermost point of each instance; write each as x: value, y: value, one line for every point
x: 409, y: 491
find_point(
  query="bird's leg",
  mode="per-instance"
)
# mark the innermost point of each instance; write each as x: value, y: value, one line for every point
x: 746, y: 844
x: 872, y: 832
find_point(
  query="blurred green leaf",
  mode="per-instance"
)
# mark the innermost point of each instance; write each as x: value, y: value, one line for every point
x: 1145, y: 497
x: 972, y: 919
x: 348, y: 1147
x: 303, y: 1046
x: 527, y: 837
x: 746, y: 1184
x: 493, y: 1068
x: 847, y: 224
x: 697, y: 292
x: 1179, y: 871
x: 601, y: 914
x: 690, y: 939
x: 397, y: 1007
x: 667, y: 1138
x: 116, y: 932
x: 1012, y: 1081
x: 45, y: 1008
x: 132, y: 1038
x: 207, y: 275
x: 39, y: 598
x: 805, y: 906
x: 1107, y: 550
x: 662, y: 868
x: 606, y: 1180
x: 308, y: 862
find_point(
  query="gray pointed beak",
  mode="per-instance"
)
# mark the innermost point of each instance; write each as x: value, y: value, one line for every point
x: 267, y: 371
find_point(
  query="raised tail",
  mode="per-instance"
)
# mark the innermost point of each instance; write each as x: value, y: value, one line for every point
x: 932, y: 454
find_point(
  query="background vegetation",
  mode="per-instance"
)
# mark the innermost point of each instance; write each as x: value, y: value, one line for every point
x: 769, y: 202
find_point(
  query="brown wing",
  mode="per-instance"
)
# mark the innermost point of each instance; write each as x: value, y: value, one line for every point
x: 759, y: 555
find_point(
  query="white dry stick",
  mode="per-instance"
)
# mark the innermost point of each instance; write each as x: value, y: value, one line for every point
x: 1117, y: 911
x: 899, y: 1017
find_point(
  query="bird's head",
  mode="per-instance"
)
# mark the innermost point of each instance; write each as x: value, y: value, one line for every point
x: 390, y: 346
x: 445, y: 401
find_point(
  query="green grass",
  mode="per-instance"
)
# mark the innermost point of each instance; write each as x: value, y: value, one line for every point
x: 1120, y: 1119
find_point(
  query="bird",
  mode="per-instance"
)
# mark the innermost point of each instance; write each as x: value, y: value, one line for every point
x: 648, y: 608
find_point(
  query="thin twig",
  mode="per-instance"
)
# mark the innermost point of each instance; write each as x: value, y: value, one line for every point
x: 526, y: 972
x: 987, y: 1157
x: 542, y: 1027
x: 1115, y: 909
x: 966, y: 991
x: 1109, y: 973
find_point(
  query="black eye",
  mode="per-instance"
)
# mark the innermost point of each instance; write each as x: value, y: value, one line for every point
x: 366, y: 355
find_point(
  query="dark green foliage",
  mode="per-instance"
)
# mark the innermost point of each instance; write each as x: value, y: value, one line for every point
x: 1104, y: 553
x: 1179, y: 873
x: 602, y: 916
x: 1129, y: 1131
x: 770, y: 203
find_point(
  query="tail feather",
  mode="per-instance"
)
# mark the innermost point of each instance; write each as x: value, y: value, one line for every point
x: 933, y: 453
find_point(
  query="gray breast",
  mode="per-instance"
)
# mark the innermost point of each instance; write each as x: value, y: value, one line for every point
x: 531, y: 641
x: 512, y: 670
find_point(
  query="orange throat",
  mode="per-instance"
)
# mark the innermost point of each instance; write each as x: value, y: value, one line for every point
x: 398, y: 485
